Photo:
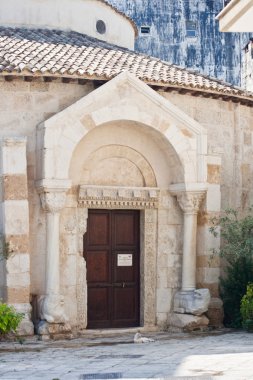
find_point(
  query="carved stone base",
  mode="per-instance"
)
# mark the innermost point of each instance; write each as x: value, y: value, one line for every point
x: 54, y: 331
x: 192, y: 302
x: 51, y: 308
x: 187, y: 322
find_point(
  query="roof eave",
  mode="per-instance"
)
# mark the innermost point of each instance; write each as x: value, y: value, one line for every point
x: 191, y: 90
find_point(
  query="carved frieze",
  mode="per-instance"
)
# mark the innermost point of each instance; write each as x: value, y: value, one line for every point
x: 118, y: 197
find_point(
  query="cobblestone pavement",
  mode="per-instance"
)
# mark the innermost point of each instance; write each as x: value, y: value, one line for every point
x: 172, y: 356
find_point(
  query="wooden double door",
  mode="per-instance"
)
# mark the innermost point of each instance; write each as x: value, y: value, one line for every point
x: 112, y: 253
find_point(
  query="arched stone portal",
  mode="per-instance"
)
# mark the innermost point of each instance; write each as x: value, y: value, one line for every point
x: 123, y: 127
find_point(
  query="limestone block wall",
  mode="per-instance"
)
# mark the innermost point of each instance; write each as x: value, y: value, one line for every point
x: 230, y: 173
x: 15, y: 220
x: 24, y: 105
x: 15, y: 227
x: 229, y: 176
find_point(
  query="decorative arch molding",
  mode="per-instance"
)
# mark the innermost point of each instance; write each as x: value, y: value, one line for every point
x: 106, y: 152
x: 123, y: 98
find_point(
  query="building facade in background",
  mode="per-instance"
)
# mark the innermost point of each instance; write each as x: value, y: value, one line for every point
x: 186, y: 34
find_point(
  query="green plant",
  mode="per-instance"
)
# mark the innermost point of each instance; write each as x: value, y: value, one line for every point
x: 9, y: 319
x: 246, y: 308
x: 237, y: 249
x: 5, y: 250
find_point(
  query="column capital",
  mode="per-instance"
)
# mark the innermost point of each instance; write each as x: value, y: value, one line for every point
x: 52, y: 194
x: 190, y: 201
x: 53, y: 201
x: 189, y: 195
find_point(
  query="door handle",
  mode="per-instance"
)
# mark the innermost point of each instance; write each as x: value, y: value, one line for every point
x: 123, y: 284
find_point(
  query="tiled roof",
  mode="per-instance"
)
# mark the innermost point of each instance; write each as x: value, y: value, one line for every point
x: 49, y: 53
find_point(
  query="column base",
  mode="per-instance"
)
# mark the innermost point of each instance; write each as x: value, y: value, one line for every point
x: 51, y: 308
x: 187, y: 323
x: 55, y: 331
x: 193, y: 302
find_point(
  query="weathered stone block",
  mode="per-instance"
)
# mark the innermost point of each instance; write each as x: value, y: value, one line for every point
x: 192, y: 302
x: 215, y: 312
x: 187, y: 322
x: 54, y: 331
x: 213, y: 174
x: 26, y: 327
x: 16, y: 217
x: 18, y: 295
x: 15, y: 187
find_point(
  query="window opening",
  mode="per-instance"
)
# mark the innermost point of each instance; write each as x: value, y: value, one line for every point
x: 145, y: 29
x: 191, y: 28
x: 101, y: 27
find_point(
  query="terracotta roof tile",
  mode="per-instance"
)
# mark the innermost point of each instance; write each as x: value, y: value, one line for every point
x: 70, y: 54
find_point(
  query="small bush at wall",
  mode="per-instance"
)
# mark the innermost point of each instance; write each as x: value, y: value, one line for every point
x: 237, y: 249
x: 247, y: 309
x: 9, y: 319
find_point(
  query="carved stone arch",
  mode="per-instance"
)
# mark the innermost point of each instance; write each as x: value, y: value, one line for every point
x: 118, y: 152
x: 123, y: 98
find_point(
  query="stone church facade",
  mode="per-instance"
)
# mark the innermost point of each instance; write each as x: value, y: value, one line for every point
x: 112, y: 165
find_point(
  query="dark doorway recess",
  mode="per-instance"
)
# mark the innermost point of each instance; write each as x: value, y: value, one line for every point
x: 112, y: 254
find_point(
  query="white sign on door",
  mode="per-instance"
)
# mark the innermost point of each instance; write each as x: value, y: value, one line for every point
x: 124, y: 260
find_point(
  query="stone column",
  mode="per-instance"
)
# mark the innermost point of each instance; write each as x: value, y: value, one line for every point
x: 52, y: 305
x: 189, y: 203
x: 189, y: 300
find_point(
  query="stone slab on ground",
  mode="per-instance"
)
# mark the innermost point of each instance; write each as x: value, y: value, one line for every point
x: 195, y: 356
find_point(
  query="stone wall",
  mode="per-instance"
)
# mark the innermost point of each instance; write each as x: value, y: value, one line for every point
x: 15, y: 227
x: 229, y: 167
x: 24, y: 105
x: 229, y: 176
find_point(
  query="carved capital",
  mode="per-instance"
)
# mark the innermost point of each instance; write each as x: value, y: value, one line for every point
x: 190, y: 201
x: 53, y: 201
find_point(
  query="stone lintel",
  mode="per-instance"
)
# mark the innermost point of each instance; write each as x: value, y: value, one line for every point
x: 118, y: 197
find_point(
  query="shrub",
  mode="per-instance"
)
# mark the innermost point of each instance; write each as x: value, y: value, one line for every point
x: 247, y: 308
x: 9, y: 319
x: 237, y: 250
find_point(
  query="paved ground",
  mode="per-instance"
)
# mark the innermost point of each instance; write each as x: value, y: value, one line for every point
x: 172, y: 356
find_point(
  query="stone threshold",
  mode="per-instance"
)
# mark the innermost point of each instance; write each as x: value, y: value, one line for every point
x: 114, y: 332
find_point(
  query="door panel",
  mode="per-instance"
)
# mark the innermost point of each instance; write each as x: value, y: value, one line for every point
x: 98, y: 264
x: 125, y: 303
x: 124, y: 229
x: 98, y: 301
x: 99, y: 229
x: 111, y: 250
